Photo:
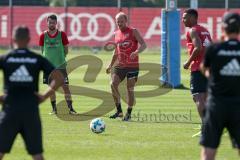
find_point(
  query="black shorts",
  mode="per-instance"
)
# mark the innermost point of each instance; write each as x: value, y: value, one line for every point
x: 46, y: 79
x: 221, y: 113
x: 126, y: 72
x: 198, y: 83
x: 28, y: 124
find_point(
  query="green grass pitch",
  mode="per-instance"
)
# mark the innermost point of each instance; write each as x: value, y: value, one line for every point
x: 144, y: 139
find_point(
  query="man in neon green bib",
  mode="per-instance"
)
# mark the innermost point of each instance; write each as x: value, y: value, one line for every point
x: 54, y: 45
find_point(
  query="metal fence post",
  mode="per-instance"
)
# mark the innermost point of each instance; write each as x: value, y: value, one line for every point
x: 119, y: 5
x: 66, y: 17
x: 226, y: 5
x: 11, y: 22
x: 194, y: 4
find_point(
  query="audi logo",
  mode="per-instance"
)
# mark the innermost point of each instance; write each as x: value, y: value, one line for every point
x: 76, y: 26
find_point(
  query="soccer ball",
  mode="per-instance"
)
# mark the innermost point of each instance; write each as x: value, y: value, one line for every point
x: 97, y: 125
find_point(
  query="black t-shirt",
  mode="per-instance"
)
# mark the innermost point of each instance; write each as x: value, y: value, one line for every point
x: 21, y: 69
x: 223, y: 59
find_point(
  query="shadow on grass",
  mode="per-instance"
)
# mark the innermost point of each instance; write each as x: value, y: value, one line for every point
x: 182, y: 87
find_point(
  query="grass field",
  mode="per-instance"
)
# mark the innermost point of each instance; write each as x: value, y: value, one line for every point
x: 143, y: 139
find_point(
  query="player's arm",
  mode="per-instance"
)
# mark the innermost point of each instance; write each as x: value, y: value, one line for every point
x: 66, y: 50
x: 57, y: 80
x: 114, y: 58
x: 205, y: 65
x: 56, y: 77
x: 65, y: 42
x: 41, y: 42
x: 205, y: 70
x: 41, y: 49
x: 196, y: 50
x: 2, y: 64
x: 141, y: 41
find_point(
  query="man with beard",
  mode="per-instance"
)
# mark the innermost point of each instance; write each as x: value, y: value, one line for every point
x: 54, y: 45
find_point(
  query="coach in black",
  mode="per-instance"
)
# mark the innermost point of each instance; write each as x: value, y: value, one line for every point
x: 222, y: 66
x: 20, y: 113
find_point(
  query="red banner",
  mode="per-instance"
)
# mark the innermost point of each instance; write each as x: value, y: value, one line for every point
x: 95, y: 26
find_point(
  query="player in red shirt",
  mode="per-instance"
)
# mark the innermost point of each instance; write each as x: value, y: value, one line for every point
x: 54, y: 45
x: 63, y: 34
x: 124, y: 63
x: 198, y: 38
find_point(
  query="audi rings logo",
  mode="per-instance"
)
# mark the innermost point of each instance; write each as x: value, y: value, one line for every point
x: 75, y: 25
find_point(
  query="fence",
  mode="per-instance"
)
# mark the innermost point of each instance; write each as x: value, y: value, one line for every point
x: 94, y: 26
x: 124, y: 3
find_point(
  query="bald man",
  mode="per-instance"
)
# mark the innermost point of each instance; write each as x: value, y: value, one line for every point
x: 125, y: 63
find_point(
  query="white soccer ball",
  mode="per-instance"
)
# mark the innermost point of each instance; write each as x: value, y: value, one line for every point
x: 97, y: 125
